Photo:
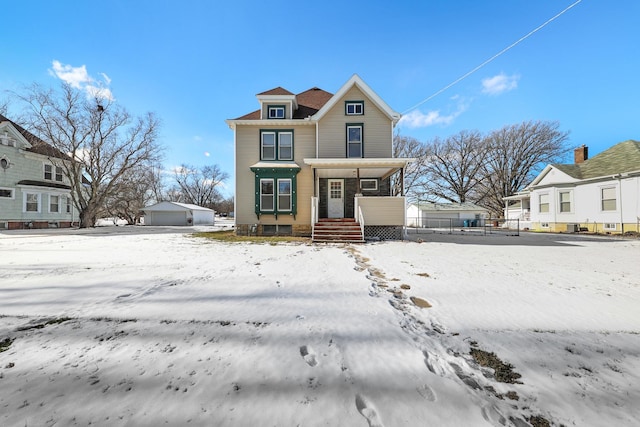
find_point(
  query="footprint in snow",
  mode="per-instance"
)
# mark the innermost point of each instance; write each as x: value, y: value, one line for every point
x: 367, y: 410
x: 427, y: 392
x: 308, y: 355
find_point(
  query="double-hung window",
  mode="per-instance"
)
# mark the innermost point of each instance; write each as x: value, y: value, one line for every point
x: 268, y: 146
x: 276, y: 145
x: 276, y: 195
x: 285, y: 146
x: 284, y: 195
x: 543, y: 203
x: 54, y: 203
x: 266, y: 195
x: 608, y: 197
x: 354, y: 140
x: 354, y: 108
x: 275, y: 111
x: 32, y: 202
x: 52, y: 172
x: 565, y: 201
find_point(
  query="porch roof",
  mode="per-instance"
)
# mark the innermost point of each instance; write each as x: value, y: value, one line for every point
x: 357, y: 167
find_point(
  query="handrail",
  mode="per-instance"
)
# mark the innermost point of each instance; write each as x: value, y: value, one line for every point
x: 314, y: 215
x: 361, y: 221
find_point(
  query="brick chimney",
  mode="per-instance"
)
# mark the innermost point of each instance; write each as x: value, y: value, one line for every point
x: 581, y: 154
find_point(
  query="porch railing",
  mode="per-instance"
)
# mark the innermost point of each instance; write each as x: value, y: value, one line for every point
x: 361, y: 220
x: 381, y: 210
x: 314, y: 215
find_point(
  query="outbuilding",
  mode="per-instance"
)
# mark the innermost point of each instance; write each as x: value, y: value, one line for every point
x: 174, y: 213
x: 430, y: 214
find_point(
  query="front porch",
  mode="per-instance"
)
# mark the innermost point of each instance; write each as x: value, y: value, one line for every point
x: 354, y: 200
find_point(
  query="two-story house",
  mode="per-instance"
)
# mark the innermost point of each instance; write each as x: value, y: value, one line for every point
x: 318, y: 164
x: 34, y: 192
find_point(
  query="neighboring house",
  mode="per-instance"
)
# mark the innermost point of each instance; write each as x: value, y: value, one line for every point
x: 174, y: 213
x: 442, y: 215
x: 601, y: 194
x: 303, y: 159
x: 34, y: 192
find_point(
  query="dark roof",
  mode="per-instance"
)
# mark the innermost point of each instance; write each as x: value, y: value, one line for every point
x: 276, y: 91
x: 309, y: 102
x: 44, y: 184
x: 622, y: 157
x: 37, y: 145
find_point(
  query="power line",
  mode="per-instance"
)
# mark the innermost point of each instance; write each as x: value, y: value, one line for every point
x: 521, y: 39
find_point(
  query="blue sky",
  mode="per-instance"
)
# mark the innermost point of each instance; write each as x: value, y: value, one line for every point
x: 196, y: 63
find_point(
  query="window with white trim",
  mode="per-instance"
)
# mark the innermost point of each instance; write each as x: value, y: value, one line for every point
x: 544, y: 224
x: 609, y: 226
x: 31, y: 202
x: 266, y: 195
x: 354, y: 140
x: 268, y: 146
x: 543, y: 203
x: 275, y: 111
x: 285, y: 146
x: 354, y: 108
x: 51, y: 172
x: 68, y: 201
x: 276, y: 145
x: 54, y: 203
x: 608, y: 198
x: 368, y: 184
x: 284, y: 195
x: 565, y: 201
x: 6, y: 193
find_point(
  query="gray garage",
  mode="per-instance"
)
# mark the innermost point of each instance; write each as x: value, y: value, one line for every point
x: 174, y: 213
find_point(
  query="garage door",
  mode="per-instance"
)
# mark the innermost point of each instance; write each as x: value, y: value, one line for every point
x: 168, y: 218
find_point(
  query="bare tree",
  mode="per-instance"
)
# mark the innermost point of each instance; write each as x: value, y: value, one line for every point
x: 134, y: 191
x: 453, y: 166
x: 224, y: 206
x: 103, y: 141
x: 516, y: 154
x: 408, y: 147
x: 200, y: 186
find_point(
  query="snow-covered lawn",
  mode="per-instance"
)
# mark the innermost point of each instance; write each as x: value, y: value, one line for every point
x: 140, y: 328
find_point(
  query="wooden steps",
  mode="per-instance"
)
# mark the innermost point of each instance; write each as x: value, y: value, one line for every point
x: 337, y: 230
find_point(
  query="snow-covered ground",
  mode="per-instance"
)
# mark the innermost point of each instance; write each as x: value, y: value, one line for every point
x: 139, y: 326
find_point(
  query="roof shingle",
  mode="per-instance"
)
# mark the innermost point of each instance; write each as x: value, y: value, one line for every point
x: 622, y: 157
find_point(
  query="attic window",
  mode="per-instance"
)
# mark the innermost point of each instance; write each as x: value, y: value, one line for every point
x: 354, y: 108
x: 276, y: 112
x: 5, y: 139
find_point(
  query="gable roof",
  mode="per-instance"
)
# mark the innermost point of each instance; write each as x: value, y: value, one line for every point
x: 276, y: 91
x: 355, y: 80
x: 621, y: 158
x: 37, y: 145
x: 316, y: 102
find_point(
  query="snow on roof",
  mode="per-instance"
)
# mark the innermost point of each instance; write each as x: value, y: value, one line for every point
x: 175, y: 206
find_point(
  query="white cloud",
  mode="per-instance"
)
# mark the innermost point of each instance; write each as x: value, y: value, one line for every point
x: 499, y: 84
x: 75, y: 76
x: 418, y: 119
x: 207, y: 154
x: 79, y: 78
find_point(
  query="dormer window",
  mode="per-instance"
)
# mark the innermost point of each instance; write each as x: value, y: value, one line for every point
x: 276, y: 112
x: 354, y: 108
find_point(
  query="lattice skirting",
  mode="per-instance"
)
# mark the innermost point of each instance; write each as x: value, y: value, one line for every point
x: 382, y: 232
